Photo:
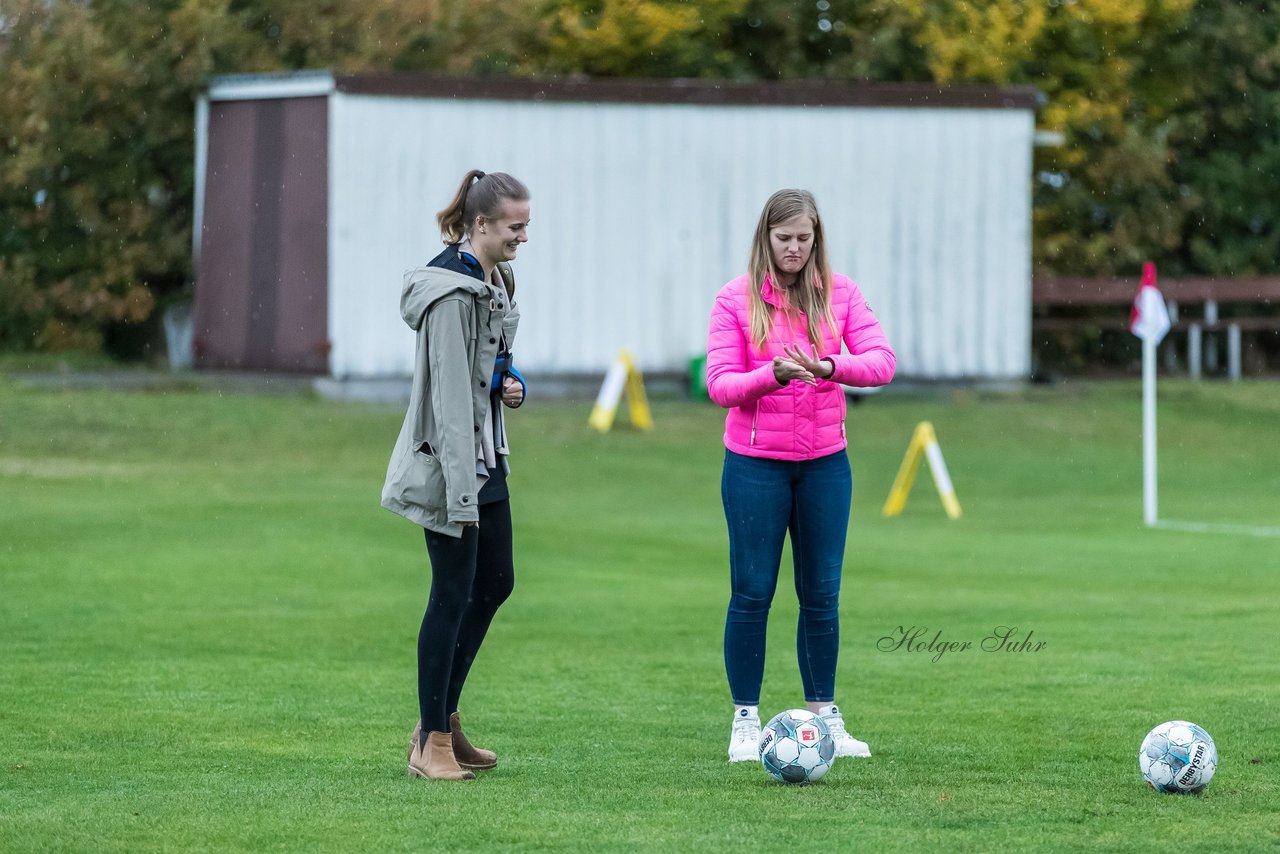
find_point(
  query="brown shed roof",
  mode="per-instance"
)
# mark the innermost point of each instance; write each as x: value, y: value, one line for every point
x: 810, y: 93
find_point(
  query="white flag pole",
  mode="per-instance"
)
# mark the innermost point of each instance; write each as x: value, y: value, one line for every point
x: 1149, y: 431
x: 1149, y: 321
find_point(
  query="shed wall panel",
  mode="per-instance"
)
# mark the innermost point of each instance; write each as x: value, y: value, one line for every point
x: 641, y: 212
x: 261, y: 296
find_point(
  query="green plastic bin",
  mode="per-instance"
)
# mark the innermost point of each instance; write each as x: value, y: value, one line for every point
x: 698, y: 377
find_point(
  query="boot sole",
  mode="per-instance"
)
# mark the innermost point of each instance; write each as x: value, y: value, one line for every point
x: 414, y: 773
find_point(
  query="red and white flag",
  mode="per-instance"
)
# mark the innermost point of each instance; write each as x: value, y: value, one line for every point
x: 1149, y: 319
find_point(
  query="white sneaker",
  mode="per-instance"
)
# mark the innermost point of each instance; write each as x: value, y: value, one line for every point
x: 744, y: 743
x: 846, y: 745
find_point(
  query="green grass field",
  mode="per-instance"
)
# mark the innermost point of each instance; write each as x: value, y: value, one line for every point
x: 207, y: 632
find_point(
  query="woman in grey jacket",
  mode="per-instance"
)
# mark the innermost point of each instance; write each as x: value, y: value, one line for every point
x: 448, y: 471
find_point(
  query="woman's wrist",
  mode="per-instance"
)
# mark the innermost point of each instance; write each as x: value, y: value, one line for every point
x: 831, y: 368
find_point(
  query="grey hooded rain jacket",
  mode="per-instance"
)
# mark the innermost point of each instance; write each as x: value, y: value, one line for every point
x: 433, y: 477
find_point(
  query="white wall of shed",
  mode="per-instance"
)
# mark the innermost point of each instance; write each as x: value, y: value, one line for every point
x: 641, y: 212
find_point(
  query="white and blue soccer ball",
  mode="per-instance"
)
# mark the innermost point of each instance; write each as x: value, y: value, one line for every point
x: 796, y: 747
x: 1178, y: 756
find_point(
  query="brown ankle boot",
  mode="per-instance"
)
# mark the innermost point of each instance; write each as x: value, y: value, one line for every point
x: 433, y: 757
x: 413, y: 739
x: 468, y: 755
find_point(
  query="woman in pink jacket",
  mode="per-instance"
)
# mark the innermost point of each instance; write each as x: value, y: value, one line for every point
x: 774, y: 360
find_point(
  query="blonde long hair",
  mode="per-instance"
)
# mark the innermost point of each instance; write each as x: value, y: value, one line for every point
x: 815, y: 301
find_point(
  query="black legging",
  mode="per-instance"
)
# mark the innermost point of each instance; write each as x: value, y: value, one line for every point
x: 471, y: 576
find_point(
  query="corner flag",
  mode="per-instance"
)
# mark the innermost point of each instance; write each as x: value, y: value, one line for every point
x: 1149, y: 318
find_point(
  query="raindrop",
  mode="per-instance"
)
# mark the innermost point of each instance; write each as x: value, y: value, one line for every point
x: 824, y: 25
x: 41, y: 197
x: 823, y: 5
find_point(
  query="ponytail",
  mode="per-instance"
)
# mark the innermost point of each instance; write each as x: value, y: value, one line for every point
x: 478, y: 195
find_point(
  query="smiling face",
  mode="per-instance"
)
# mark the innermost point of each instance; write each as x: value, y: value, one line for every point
x: 791, y: 243
x: 498, y: 238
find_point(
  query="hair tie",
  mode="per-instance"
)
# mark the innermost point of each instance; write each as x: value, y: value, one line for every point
x: 481, y: 175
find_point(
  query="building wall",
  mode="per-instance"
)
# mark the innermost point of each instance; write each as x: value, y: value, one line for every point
x: 641, y: 212
x: 262, y: 261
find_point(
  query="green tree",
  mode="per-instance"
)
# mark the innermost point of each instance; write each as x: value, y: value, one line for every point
x: 734, y: 39
x: 830, y: 39
x: 88, y: 232
x: 96, y: 113
x: 1103, y: 198
x: 96, y: 133
x: 1224, y: 135
x: 637, y: 38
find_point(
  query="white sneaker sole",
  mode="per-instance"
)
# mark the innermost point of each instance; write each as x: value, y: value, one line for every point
x: 856, y: 753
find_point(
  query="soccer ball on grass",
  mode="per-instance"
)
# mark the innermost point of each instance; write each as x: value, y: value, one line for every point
x: 796, y: 747
x: 1178, y: 756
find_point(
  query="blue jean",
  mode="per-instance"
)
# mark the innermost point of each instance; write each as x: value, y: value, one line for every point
x: 763, y: 500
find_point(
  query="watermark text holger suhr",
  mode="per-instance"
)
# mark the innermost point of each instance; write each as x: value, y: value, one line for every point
x: 919, y: 639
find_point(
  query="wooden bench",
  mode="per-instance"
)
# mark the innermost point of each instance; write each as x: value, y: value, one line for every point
x: 1071, y: 292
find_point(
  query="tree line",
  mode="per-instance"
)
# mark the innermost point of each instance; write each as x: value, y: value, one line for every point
x: 1169, y: 111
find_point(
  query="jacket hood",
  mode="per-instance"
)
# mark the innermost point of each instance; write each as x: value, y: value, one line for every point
x: 424, y: 285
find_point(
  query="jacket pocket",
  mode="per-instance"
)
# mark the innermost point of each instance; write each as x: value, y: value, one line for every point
x: 421, y: 478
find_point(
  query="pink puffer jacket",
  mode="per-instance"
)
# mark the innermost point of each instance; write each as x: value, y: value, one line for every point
x: 797, y: 421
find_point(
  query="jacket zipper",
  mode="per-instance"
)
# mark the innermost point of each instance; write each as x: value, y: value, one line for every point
x: 754, y: 419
